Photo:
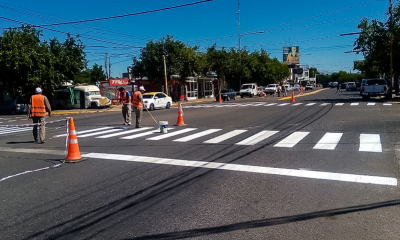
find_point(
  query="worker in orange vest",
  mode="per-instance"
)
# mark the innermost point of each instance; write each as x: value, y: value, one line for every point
x: 137, y: 102
x: 38, y: 107
x: 125, y: 99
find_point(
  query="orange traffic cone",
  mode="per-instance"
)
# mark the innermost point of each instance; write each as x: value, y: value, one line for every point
x: 180, y: 121
x: 73, y: 149
x: 293, y: 97
x: 220, y: 100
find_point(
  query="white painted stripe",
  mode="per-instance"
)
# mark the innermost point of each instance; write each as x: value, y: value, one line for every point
x: 354, y: 104
x: 387, y: 104
x: 143, y: 134
x: 283, y: 104
x: 310, y: 104
x: 324, y: 104
x: 370, y: 143
x: 297, y: 104
x: 370, y: 104
x: 257, y: 138
x: 329, y: 141
x: 292, y: 139
x: 99, y: 133
x: 167, y: 135
x: 225, y: 136
x: 250, y: 169
x: 197, y: 135
x: 82, y: 132
x: 125, y: 132
x: 258, y: 104
x: 270, y: 104
x: 339, y: 104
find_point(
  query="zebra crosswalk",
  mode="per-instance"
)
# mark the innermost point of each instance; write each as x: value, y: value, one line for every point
x: 367, y: 142
x: 263, y: 104
x: 7, y: 130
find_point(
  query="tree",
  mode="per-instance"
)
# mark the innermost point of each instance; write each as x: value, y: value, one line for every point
x: 97, y: 74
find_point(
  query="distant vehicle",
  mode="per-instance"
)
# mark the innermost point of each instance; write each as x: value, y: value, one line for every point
x: 376, y: 87
x: 309, y: 87
x: 226, y: 95
x: 153, y: 100
x: 334, y: 84
x: 343, y: 86
x: 80, y: 96
x: 248, y: 89
x: 351, y: 86
x: 296, y: 87
x: 271, y: 89
x: 14, y: 106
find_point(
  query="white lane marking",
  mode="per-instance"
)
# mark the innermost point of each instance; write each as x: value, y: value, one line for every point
x: 257, y: 138
x: 339, y: 104
x: 297, y: 104
x: 143, y: 134
x: 5, y: 130
x: 258, y: 104
x: 310, y: 104
x: 98, y: 133
x: 167, y: 135
x: 82, y: 132
x: 124, y: 132
x: 12, y: 120
x: 387, y: 104
x: 197, y: 135
x: 225, y: 136
x: 354, y: 104
x: 329, y: 141
x: 370, y: 104
x: 370, y: 143
x: 354, y: 178
x: 324, y: 104
x: 283, y: 104
x: 292, y: 139
x: 270, y: 104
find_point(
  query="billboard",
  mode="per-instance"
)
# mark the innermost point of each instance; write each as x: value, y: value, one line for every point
x: 291, y: 55
x: 118, y: 81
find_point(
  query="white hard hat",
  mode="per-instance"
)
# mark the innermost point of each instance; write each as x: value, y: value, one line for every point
x: 38, y: 90
x: 141, y: 88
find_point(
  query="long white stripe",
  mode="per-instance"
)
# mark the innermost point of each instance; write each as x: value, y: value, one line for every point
x: 257, y: 138
x: 370, y: 104
x: 329, y: 141
x: 98, y: 133
x: 197, y: 135
x: 387, y: 104
x: 82, y: 132
x: 251, y: 169
x: 310, y: 104
x: 339, y: 104
x: 167, y: 135
x: 324, y: 104
x: 270, y: 104
x: 282, y: 104
x: 143, y: 134
x: 225, y: 136
x: 354, y: 104
x: 297, y: 104
x: 124, y: 132
x: 292, y: 139
x: 370, y: 143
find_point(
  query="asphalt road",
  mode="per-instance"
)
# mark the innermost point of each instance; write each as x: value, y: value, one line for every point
x: 322, y: 167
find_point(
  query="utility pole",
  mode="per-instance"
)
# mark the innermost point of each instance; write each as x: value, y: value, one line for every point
x: 109, y: 67
x: 239, y: 37
x: 391, y: 46
x: 165, y: 75
x: 105, y: 66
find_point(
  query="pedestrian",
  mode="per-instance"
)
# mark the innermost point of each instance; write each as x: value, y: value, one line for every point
x: 279, y: 90
x: 125, y: 99
x: 137, y: 102
x: 39, y: 105
x: 338, y: 88
x: 284, y: 94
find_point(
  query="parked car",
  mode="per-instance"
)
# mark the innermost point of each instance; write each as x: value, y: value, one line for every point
x: 271, y: 89
x: 248, y: 89
x: 343, y: 85
x: 296, y: 87
x: 376, y: 87
x: 153, y: 100
x: 309, y: 87
x: 226, y: 95
x: 14, y: 106
x: 334, y: 84
x: 351, y: 86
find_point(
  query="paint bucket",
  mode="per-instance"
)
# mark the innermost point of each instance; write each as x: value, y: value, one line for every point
x: 163, y: 126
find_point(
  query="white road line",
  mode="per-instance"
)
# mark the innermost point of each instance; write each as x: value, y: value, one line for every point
x: 257, y: 138
x: 354, y: 104
x: 167, y: 135
x: 143, y: 134
x: 14, y: 130
x: 329, y: 141
x: 12, y: 120
x: 124, y: 132
x: 370, y: 143
x: 297, y: 104
x: 271, y: 104
x: 292, y: 139
x: 225, y: 136
x: 387, y: 104
x: 197, y: 135
x: 283, y: 104
x: 82, y: 132
x: 354, y: 178
x: 324, y: 104
x: 258, y: 104
x: 98, y: 133
x: 370, y: 104
x: 310, y: 104
x: 339, y: 104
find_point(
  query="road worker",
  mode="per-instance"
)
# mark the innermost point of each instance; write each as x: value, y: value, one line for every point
x: 39, y: 105
x: 125, y: 99
x: 137, y: 102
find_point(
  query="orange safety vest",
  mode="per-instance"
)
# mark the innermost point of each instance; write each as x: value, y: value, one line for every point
x: 135, y: 100
x: 38, y: 109
x: 124, y: 99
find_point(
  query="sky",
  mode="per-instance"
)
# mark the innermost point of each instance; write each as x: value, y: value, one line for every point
x: 314, y: 26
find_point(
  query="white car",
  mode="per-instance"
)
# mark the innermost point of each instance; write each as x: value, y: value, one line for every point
x: 309, y: 87
x: 153, y: 100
